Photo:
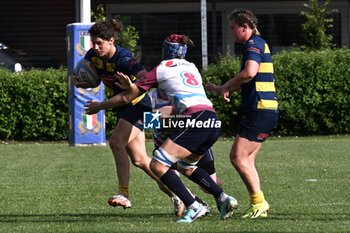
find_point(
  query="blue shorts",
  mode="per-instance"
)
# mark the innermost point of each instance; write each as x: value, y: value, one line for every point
x: 198, y: 139
x: 256, y: 126
x: 134, y: 113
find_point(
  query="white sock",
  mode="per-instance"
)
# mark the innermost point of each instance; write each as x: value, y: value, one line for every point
x: 195, y: 205
x: 223, y: 196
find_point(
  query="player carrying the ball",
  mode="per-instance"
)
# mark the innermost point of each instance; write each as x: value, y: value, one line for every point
x: 181, y: 83
x: 128, y: 138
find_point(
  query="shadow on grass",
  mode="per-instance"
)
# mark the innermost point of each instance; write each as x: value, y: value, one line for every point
x: 78, y: 217
x: 308, y: 216
x: 134, y: 217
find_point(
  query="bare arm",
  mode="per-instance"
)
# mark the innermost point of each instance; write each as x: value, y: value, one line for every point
x: 166, y: 111
x: 140, y: 74
x: 132, y: 91
x: 234, y: 84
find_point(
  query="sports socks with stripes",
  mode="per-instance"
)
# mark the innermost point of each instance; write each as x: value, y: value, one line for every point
x: 174, y: 183
x: 202, y: 178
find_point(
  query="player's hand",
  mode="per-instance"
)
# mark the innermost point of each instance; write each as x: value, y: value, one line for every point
x: 166, y: 111
x: 124, y: 81
x: 219, y: 90
x: 78, y: 83
x: 213, y: 89
x: 226, y: 95
x: 92, y: 107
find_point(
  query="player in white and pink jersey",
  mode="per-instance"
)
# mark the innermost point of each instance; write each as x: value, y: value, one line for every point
x: 181, y: 82
x: 160, y: 103
x: 194, y: 133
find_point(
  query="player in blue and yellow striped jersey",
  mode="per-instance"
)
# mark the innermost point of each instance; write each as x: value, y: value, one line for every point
x: 259, y: 105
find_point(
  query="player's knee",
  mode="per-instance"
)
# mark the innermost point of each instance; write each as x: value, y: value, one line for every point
x: 153, y: 165
x: 233, y: 161
x: 163, y: 157
x: 236, y: 162
x: 234, y: 158
x: 137, y: 163
x: 183, y: 171
x: 140, y: 163
x: 116, y: 144
x: 187, y: 172
x: 186, y: 166
x: 218, y: 182
x: 240, y: 164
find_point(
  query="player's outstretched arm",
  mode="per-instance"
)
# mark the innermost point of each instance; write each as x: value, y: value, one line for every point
x: 116, y: 101
x: 234, y: 84
x: 219, y: 90
x: 213, y: 89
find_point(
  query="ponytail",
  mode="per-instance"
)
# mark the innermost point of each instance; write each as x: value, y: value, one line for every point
x: 117, y: 26
x: 185, y: 40
x: 106, y: 29
x: 244, y: 16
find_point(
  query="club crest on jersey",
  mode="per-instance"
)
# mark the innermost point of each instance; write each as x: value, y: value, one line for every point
x: 84, y: 43
x: 190, y: 79
x: 89, y: 124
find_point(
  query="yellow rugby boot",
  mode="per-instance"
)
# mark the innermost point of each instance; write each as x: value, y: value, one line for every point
x: 257, y: 210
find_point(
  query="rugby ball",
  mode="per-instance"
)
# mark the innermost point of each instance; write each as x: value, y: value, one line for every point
x: 87, y: 73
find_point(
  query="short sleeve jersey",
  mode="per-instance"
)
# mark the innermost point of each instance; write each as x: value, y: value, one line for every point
x: 122, y: 61
x: 181, y: 82
x: 259, y: 94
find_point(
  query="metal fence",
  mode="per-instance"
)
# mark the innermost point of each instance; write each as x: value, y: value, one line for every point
x: 36, y: 31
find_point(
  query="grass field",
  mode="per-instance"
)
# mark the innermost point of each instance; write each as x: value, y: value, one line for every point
x: 51, y: 187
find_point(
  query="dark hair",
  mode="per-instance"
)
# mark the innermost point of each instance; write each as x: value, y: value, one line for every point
x: 185, y: 40
x: 244, y: 16
x: 105, y: 30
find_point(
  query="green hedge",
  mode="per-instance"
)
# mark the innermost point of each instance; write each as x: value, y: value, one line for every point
x: 229, y: 113
x: 313, y: 89
x: 111, y: 120
x: 314, y: 92
x: 33, y: 104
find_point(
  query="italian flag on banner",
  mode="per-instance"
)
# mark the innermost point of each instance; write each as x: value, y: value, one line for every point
x: 89, y: 121
x: 85, y: 42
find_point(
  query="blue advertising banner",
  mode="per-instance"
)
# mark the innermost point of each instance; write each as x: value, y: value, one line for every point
x: 84, y: 129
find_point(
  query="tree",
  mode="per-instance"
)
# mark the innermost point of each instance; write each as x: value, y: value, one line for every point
x: 318, y: 20
x: 127, y: 39
x: 100, y: 14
